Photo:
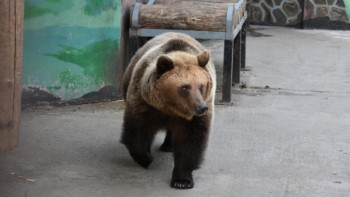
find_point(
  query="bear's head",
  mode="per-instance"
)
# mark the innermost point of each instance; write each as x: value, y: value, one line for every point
x: 183, y: 86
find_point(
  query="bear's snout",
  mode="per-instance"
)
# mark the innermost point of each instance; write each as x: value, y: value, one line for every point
x: 201, y: 109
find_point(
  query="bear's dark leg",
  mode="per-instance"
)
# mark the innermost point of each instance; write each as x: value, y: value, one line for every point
x: 189, y: 142
x: 138, y: 138
x: 167, y: 145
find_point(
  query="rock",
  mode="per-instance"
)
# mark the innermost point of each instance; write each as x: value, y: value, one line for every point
x: 256, y: 14
x: 35, y: 96
x: 280, y: 17
x: 340, y: 3
x: 320, y: 2
x: 268, y: 17
x: 321, y: 11
x: 309, y: 12
x: 256, y: 1
x: 330, y: 2
x: 337, y: 14
x: 269, y: 2
x: 278, y: 2
x: 290, y: 8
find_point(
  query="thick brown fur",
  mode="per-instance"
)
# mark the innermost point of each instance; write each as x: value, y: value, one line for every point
x: 170, y: 84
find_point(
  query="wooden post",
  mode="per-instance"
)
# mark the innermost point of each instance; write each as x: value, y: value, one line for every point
x: 11, y: 37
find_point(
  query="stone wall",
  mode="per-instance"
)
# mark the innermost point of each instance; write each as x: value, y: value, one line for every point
x: 280, y: 12
x: 305, y: 13
x: 329, y: 14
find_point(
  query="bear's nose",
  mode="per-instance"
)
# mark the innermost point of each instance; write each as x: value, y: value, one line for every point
x: 201, y: 109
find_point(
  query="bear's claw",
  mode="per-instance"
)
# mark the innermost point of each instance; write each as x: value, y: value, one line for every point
x: 182, y: 184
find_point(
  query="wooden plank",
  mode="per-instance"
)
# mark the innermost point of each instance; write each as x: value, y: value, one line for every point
x: 186, y: 18
x: 6, y: 76
x: 18, y: 68
x: 11, y: 37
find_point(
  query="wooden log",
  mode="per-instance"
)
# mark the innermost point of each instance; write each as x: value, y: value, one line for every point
x: 11, y: 31
x: 182, y: 17
x: 212, y: 3
x: 177, y: 2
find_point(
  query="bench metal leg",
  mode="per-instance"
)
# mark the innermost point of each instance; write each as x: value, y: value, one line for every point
x: 135, y: 43
x: 237, y: 59
x: 243, y: 45
x: 227, y: 72
x: 142, y: 41
x: 133, y: 46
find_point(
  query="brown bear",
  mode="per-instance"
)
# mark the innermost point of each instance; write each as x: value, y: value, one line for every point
x: 170, y: 84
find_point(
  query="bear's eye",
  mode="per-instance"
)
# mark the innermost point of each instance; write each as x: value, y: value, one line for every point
x: 184, y: 90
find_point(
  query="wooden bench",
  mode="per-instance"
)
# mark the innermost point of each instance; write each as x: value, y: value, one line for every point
x: 205, y: 19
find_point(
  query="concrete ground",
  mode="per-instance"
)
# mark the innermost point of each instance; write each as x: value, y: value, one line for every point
x: 287, y: 135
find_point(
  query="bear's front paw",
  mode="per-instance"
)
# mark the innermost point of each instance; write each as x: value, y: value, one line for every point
x: 144, y: 159
x: 182, y: 184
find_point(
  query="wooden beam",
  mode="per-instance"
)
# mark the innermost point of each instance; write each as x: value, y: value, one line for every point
x: 11, y: 37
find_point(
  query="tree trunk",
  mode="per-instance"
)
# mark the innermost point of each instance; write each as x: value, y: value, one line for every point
x: 183, y: 17
x: 197, y: 3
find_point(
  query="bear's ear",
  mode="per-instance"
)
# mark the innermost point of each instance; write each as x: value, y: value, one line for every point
x: 164, y: 64
x: 203, y: 58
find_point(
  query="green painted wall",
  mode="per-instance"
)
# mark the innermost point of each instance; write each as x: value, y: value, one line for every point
x: 70, y: 47
x: 347, y: 7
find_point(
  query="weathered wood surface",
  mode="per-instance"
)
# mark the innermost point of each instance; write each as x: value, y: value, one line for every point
x: 212, y: 3
x: 196, y: 1
x: 182, y: 17
x: 238, y: 14
x: 11, y: 20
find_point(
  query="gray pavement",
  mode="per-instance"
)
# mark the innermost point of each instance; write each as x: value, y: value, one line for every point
x: 290, y: 139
